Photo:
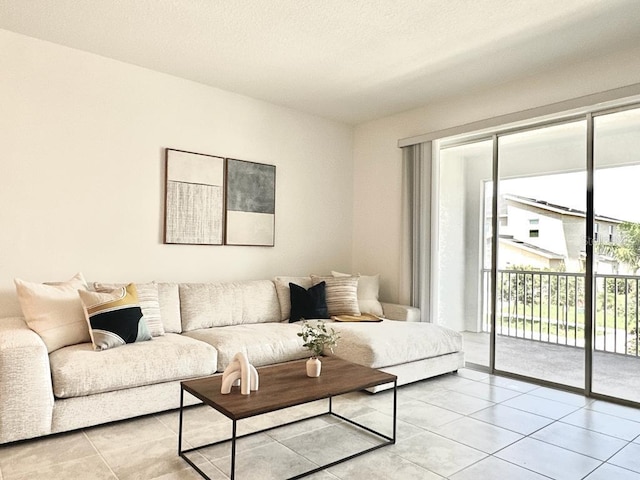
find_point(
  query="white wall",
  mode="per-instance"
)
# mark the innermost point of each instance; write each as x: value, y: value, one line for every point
x: 377, y: 159
x: 82, y: 172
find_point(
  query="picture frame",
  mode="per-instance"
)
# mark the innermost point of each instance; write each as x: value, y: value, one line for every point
x: 250, y: 203
x: 194, y: 198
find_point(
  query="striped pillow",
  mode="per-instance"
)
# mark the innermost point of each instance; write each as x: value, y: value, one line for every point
x: 114, y: 317
x: 368, y: 288
x: 341, y: 294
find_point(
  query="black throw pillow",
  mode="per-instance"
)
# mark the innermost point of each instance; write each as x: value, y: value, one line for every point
x: 308, y: 304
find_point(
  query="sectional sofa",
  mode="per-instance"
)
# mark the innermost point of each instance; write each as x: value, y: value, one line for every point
x: 196, y: 330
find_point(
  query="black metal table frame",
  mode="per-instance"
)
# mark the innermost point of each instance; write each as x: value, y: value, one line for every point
x: 234, y: 437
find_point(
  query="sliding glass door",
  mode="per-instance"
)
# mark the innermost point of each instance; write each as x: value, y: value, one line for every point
x: 616, y: 360
x: 540, y: 260
x: 538, y: 251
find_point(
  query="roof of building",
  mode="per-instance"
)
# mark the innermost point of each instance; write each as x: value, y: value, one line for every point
x: 552, y: 207
x: 543, y: 252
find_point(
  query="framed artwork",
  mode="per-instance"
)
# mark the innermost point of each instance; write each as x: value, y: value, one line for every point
x: 194, y: 204
x: 251, y: 203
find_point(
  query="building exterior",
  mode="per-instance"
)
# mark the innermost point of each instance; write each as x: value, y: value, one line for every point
x: 548, y: 236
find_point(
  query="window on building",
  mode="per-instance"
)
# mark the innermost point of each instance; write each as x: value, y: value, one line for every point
x: 610, y: 233
x: 534, y: 233
x: 534, y: 221
x: 595, y: 232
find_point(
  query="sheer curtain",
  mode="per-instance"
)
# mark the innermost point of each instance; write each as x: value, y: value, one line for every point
x: 415, y: 269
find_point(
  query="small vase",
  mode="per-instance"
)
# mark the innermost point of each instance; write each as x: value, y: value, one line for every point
x: 313, y: 367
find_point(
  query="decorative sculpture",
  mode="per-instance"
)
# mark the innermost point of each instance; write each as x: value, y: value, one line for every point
x: 239, y: 372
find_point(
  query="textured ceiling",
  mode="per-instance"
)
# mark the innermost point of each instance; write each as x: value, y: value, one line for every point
x: 349, y: 60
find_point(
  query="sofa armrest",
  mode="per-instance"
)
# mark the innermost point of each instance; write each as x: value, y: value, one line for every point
x: 26, y: 408
x: 394, y: 311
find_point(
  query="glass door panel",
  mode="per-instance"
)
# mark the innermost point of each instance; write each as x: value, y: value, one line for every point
x: 541, y: 253
x: 461, y: 276
x: 616, y: 360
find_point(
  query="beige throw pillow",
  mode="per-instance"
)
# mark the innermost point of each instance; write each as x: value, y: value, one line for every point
x: 341, y: 293
x: 54, y: 311
x: 368, y: 291
x: 284, y: 292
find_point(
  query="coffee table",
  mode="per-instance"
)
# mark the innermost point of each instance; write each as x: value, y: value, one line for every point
x: 282, y: 386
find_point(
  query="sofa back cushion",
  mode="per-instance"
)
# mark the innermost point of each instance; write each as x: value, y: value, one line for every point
x: 169, y: 299
x: 205, y: 305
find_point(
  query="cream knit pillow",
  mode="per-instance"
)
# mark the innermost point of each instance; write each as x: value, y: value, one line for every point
x: 54, y: 311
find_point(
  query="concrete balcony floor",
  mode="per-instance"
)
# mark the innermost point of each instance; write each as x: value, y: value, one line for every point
x: 613, y: 374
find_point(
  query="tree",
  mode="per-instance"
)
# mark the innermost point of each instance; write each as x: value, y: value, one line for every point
x: 628, y: 249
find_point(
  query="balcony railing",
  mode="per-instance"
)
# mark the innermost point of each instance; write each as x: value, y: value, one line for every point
x: 549, y: 307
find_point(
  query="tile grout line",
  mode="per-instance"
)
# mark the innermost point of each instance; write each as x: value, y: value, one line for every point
x: 530, y: 435
x: 559, y: 420
x: 554, y: 421
x: 506, y: 461
x: 99, y: 454
x: 490, y: 455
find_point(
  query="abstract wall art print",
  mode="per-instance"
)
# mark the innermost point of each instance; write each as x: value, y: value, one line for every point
x: 194, y: 203
x: 251, y: 203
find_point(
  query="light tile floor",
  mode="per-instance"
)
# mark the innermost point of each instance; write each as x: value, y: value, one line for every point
x: 469, y: 425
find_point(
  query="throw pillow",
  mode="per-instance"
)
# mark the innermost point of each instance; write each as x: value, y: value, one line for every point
x: 114, y: 317
x: 368, y: 290
x: 149, y: 303
x: 308, y: 304
x: 342, y: 294
x: 284, y: 295
x: 54, y: 311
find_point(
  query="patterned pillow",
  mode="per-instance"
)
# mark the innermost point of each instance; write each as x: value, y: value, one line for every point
x: 308, y: 304
x: 368, y: 289
x: 342, y: 294
x: 114, y: 317
x: 54, y: 311
x: 149, y: 303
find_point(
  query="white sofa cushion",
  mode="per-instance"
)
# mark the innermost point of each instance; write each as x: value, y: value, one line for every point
x: 169, y: 299
x: 79, y: 370
x: 204, y: 305
x: 389, y: 342
x: 263, y: 344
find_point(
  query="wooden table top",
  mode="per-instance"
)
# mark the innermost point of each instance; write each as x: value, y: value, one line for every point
x: 285, y: 385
